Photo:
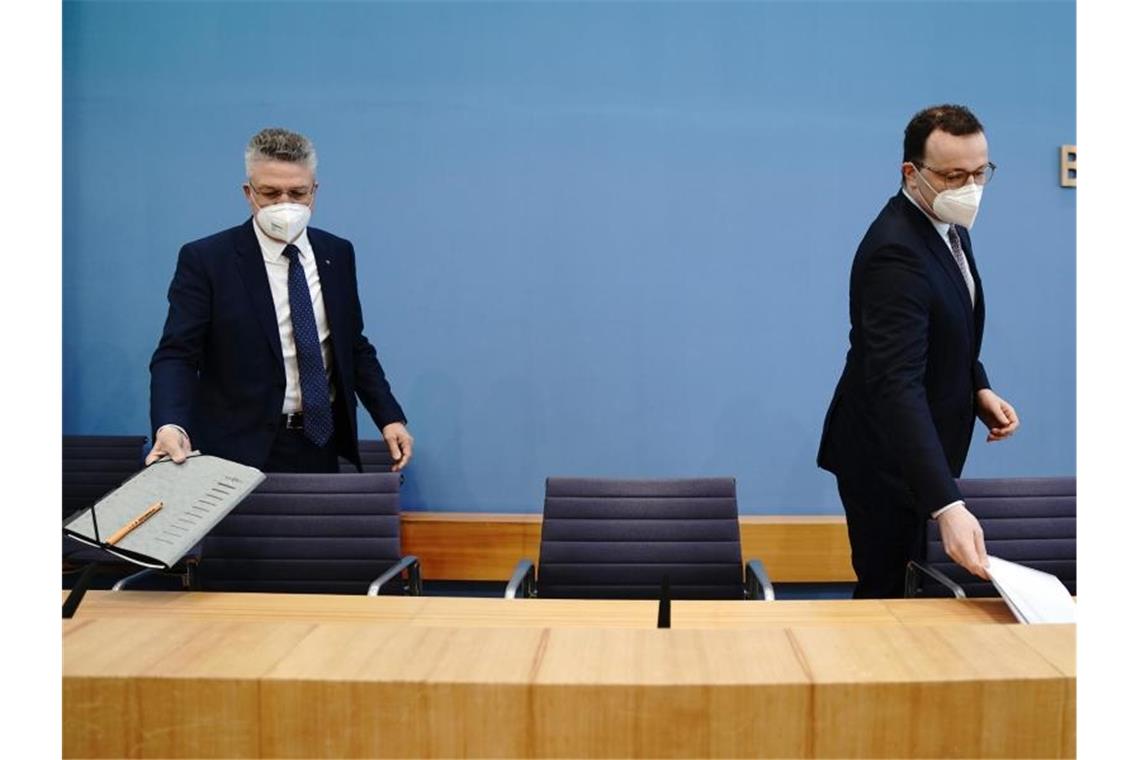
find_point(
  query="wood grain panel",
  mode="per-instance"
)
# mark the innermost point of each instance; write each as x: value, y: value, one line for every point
x: 166, y: 688
x: 808, y: 549
x: 470, y: 546
x: 659, y: 693
x: 1056, y: 644
x: 175, y: 686
x: 888, y: 691
x: 534, y: 613
x: 475, y: 546
x: 939, y: 611
x: 410, y: 692
x: 537, y: 692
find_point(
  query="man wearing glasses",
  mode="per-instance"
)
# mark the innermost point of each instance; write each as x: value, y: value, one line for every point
x: 263, y: 354
x: 900, y: 422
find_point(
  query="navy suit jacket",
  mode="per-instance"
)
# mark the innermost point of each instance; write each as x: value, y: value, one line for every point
x: 218, y: 369
x: 904, y: 407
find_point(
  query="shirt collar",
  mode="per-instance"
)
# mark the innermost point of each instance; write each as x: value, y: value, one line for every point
x: 942, y: 227
x: 274, y: 250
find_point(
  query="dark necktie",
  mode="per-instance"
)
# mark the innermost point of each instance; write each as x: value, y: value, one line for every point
x: 314, y: 382
x: 960, y: 258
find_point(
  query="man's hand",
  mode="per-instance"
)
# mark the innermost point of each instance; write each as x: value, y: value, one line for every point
x: 169, y: 441
x: 962, y: 538
x: 399, y: 444
x: 997, y: 414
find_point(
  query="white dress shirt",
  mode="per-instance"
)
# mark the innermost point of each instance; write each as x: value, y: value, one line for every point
x: 277, y: 268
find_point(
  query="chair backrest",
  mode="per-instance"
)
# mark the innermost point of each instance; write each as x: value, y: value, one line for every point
x: 1030, y: 521
x: 605, y: 538
x: 96, y: 464
x: 327, y: 533
x: 374, y: 457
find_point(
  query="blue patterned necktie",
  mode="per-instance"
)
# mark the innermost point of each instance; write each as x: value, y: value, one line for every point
x: 314, y: 382
x: 960, y: 259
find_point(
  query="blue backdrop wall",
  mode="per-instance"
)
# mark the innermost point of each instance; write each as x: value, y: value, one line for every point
x: 608, y: 239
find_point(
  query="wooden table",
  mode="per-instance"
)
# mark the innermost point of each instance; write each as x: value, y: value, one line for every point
x: 149, y: 674
x: 542, y: 613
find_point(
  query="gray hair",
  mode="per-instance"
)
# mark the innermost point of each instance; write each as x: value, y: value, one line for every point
x: 276, y: 144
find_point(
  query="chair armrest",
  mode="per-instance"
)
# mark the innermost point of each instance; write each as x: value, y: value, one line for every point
x: 522, y: 579
x: 411, y: 563
x: 185, y: 567
x: 122, y: 583
x: 912, y: 572
x: 194, y: 554
x: 757, y: 585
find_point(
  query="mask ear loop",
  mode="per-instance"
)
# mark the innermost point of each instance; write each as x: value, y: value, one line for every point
x: 253, y: 196
x: 918, y: 171
x: 937, y: 193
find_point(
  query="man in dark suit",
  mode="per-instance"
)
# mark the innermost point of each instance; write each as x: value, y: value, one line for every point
x: 900, y: 422
x: 263, y: 355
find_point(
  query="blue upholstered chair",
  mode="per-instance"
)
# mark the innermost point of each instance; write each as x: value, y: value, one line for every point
x: 334, y: 534
x: 95, y: 464
x: 374, y: 457
x: 619, y: 539
x: 1030, y: 521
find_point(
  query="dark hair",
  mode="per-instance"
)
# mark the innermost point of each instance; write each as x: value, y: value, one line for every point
x: 956, y: 120
x: 279, y: 144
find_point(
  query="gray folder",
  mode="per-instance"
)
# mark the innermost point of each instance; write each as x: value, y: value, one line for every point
x: 195, y: 495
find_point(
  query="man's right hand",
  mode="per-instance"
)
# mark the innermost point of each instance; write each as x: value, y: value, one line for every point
x: 962, y: 538
x: 169, y: 441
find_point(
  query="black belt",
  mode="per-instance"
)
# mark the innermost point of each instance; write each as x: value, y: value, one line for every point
x: 293, y: 421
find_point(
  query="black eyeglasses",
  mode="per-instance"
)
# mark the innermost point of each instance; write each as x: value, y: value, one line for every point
x: 277, y: 195
x: 958, y: 178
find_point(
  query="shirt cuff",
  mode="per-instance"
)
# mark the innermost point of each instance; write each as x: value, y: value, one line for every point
x: 172, y: 425
x: 938, y: 512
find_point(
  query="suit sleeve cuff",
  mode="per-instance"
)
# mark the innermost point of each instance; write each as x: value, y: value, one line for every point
x: 981, y: 380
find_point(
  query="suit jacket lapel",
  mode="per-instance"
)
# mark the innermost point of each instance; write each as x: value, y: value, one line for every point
x: 251, y: 266
x: 941, y: 253
x: 980, y: 304
x: 328, y: 284
x: 330, y: 294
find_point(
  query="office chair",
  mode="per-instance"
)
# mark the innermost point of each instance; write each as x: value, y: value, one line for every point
x: 1030, y: 521
x: 374, y: 457
x: 619, y: 539
x: 336, y: 533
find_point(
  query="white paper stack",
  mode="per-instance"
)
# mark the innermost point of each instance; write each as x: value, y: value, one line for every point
x: 1032, y: 596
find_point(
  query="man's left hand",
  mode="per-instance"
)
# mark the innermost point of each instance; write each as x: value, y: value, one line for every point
x: 997, y: 414
x: 399, y: 442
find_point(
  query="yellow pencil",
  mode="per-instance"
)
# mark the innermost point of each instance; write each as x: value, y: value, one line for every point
x: 146, y: 515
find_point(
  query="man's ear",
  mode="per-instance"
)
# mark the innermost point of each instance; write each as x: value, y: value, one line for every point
x: 247, y: 193
x: 907, y: 169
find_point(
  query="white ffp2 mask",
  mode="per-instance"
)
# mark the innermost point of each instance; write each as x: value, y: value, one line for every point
x: 284, y: 221
x: 958, y: 205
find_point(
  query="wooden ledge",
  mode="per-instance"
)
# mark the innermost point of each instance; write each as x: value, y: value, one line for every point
x: 486, y: 546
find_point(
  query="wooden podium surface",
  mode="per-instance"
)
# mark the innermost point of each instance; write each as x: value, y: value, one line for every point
x: 151, y: 674
x: 554, y: 613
